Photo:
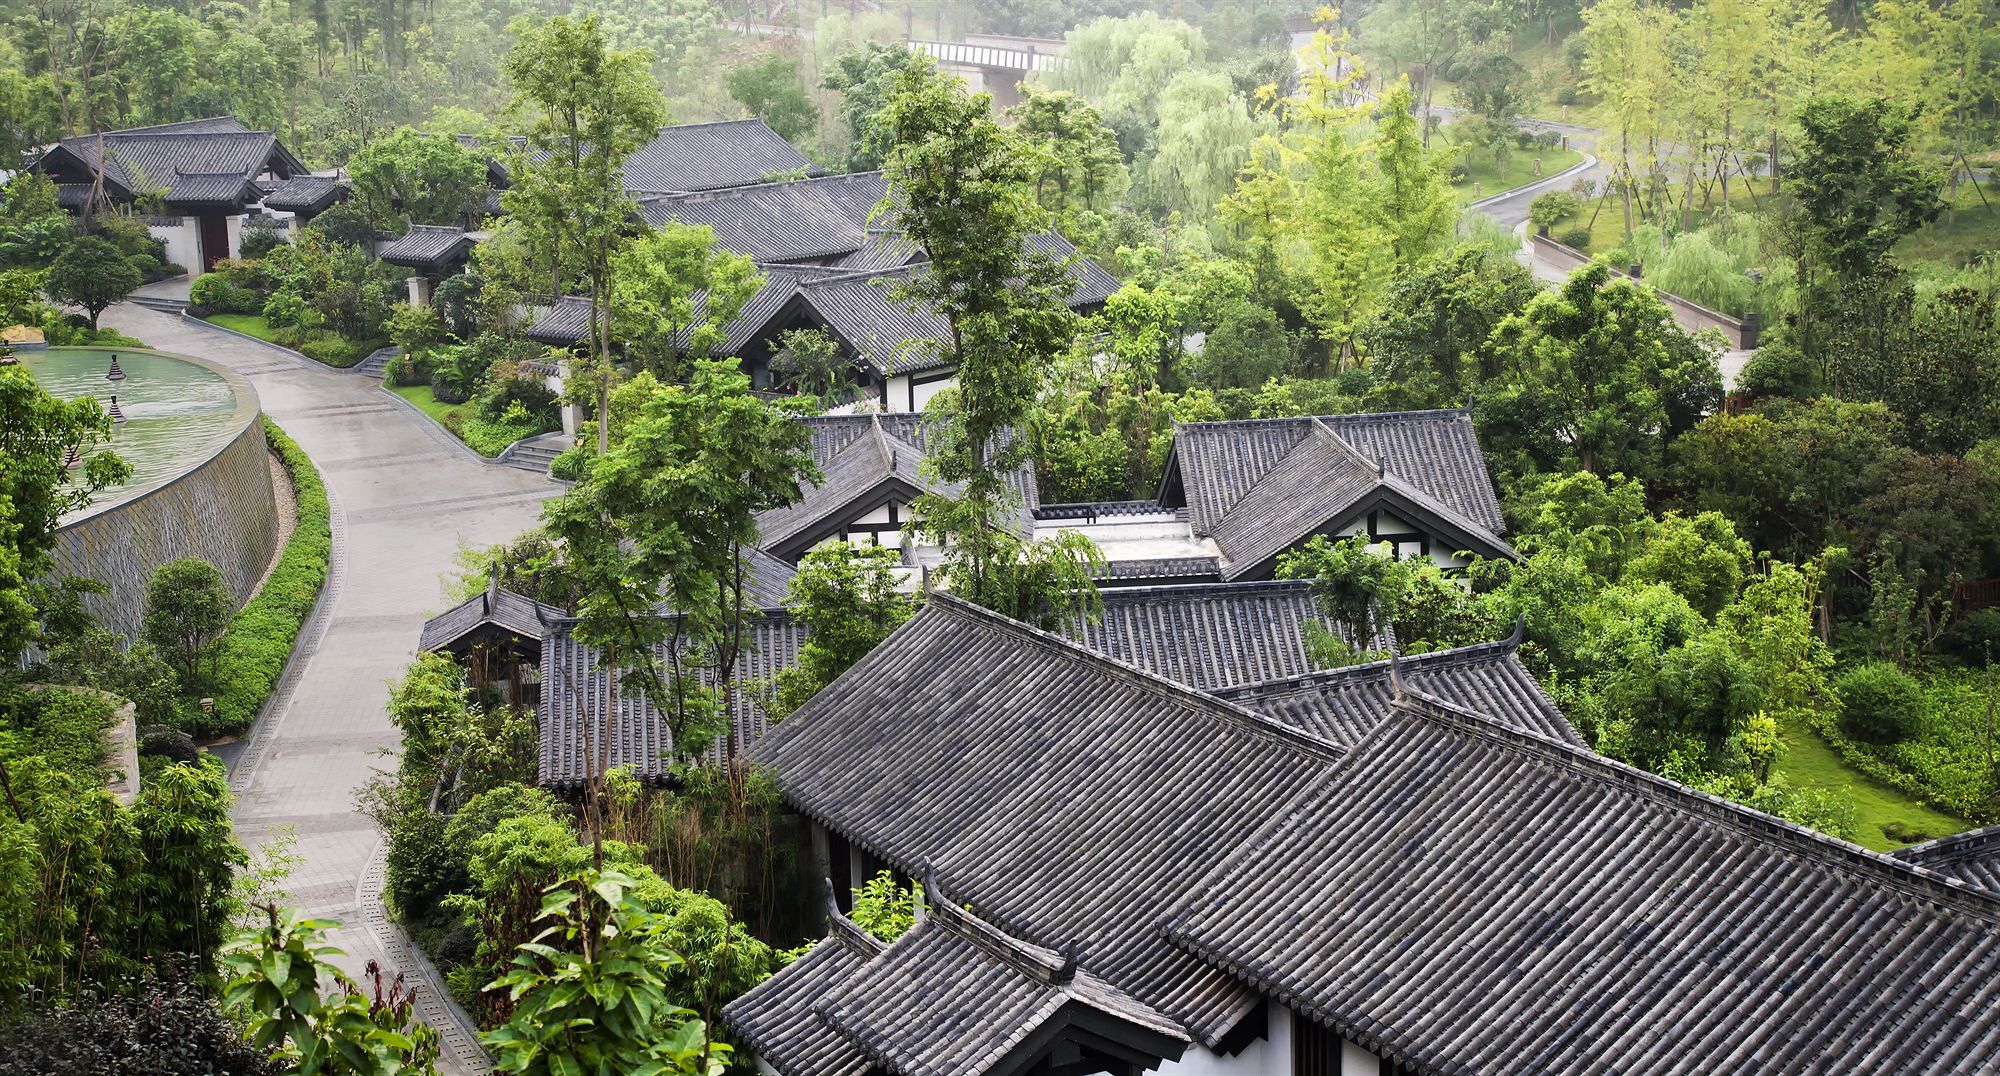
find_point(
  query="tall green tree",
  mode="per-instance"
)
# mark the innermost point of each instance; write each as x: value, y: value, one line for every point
x: 664, y: 517
x: 414, y: 178
x: 1419, y: 209
x: 675, y: 293
x: 187, y: 608
x: 770, y: 89
x: 1859, y: 183
x: 583, y: 108
x: 962, y: 188
x: 847, y: 599
x: 1602, y: 366
x: 865, y: 77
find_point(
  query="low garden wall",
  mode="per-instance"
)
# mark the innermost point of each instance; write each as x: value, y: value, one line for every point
x: 222, y: 509
x: 1741, y: 333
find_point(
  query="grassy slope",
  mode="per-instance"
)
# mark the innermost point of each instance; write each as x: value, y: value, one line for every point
x: 1810, y: 762
x: 1973, y: 228
x: 247, y: 324
x: 426, y: 401
x: 1520, y: 171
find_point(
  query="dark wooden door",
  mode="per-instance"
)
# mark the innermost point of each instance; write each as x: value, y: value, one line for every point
x: 214, y: 239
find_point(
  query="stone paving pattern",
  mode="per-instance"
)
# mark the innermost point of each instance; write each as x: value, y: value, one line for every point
x: 404, y: 499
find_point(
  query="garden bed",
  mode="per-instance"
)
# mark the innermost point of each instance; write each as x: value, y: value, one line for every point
x: 462, y: 421
x: 254, y: 650
x: 329, y: 348
x: 1520, y: 172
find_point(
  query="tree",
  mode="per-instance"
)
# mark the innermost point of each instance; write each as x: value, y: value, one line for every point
x: 674, y: 293
x: 1077, y: 164
x: 664, y: 516
x: 1427, y: 342
x: 414, y: 178
x: 846, y: 598
x: 37, y: 432
x: 187, y: 608
x: 1418, y: 208
x: 92, y: 274
x: 1859, y: 183
x: 960, y: 184
x: 1603, y: 362
x: 191, y: 858
x: 811, y: 361
x: 1204, y: 134
x: 865, y: 77
x: 770, y: 89
x: 590, y: 993
x: 584, y: 107
x: 294, y: 1002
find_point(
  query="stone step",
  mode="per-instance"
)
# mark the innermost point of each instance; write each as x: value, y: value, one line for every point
x: 377, y: 362
x: 165, y: 306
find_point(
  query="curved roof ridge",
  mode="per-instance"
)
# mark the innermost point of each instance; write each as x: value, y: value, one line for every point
x: 1247, y: 719
x: 1368, y: 669
x: 1176, y: 590
x: 1918, y: 882
x: 1951, y: 847
x: 1326, y: 433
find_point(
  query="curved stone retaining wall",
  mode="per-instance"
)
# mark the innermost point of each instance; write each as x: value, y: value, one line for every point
x: 222, y: 509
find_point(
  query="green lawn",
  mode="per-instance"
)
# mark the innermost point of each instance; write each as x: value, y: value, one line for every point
x: 1520, y: 171
x: 1608, y: 229
x: 428, y: 402
x: 247, y: 324
x: 1810, y: 762
x: 1972, y: 229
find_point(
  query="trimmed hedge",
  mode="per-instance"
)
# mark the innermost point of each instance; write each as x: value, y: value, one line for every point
x: 260, y: 638
x: 63, y: 725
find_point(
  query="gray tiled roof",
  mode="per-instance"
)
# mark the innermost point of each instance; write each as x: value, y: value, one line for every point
x: 144, y: 159
x: 863, y: 460
x: 640, y: 740
x: 305, y: 194
x: 1972, y: 857
x: 1343, y: 706
x: 426, y: 246
x: 954, y: 996
x: 1049, y: 787
x: 568, y: 321
x: 779, y: 1018
x: 705, y: 156
x: 1259, y: 486
x: 211, y: 188
x: 1161, y: 569
x: 1209, y: 635
x: 564, y: 324
x: 1465, y: 898
x: 862, y: 309
x: 781, y: 222
x: 500, y: 609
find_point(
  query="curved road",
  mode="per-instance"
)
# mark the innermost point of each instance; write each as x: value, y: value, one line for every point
x: 405, y: 496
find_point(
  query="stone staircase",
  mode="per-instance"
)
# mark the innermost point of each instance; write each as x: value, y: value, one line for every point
x: 535, y: 454
x: 377, y: 362
x: 164, y: 306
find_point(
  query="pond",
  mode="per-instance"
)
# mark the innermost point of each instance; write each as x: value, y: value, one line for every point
x: 177, y: 412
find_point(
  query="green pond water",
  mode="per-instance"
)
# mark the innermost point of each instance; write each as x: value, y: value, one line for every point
x: 176, y: 412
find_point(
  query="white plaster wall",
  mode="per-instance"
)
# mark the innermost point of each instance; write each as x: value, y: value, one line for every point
x: 925, y: 392
x: 235, y: 227
x: 183, y: 249
x: 1355, y: 1061
x: 1442, y: 554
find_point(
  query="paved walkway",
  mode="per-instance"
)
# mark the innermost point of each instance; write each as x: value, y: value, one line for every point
x: 405, y: 496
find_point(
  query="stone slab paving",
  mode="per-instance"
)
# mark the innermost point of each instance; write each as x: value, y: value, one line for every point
x: 402, y: 507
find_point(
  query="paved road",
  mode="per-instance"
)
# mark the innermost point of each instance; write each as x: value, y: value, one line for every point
x: 406, y: 495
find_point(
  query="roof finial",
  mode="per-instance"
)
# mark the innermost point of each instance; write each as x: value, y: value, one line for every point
x: 832, y: 901
x: 1066, y: 974
x: 492, y: 584
x: 1520, y: 633
x: 1395, y: 673
x: 927, y: 894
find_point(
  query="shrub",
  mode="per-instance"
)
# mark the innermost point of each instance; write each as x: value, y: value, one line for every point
x: 1974, y: 637
x: 212, y: 293
x: 1553, y: 208
x: 570, y: 466
x: 1566, y: 95
x: 421, y: 867
x: 187, y: 606
x: 1879, y: 703
x: 525, y: 391
x: 260, y: 637
x: 457, y: 371
x: 413, y: 368
x: 259, y: 240
x: 1578, y: 238
x: 163, y: 1025
x: 335, y: 350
